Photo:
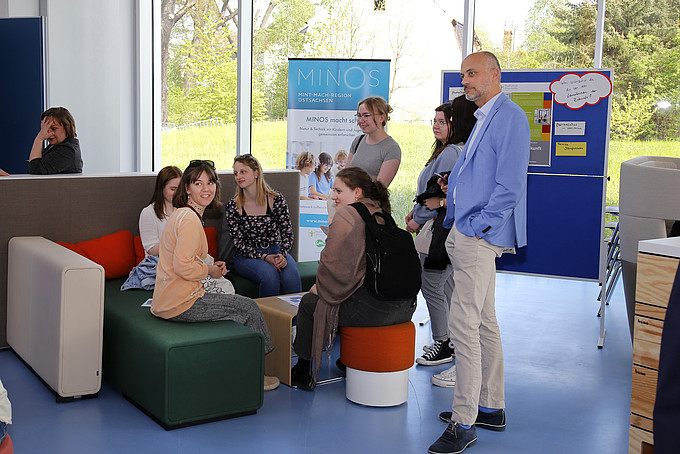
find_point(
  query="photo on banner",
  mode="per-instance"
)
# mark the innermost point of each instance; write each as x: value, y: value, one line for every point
x: 323, y: 95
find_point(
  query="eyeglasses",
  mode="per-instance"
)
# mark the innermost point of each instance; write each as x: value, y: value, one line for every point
x: 198, y: 162
x: 440, y: 123
x: 364, y: 116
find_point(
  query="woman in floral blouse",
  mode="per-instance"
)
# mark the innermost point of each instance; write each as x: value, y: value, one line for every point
x: 260, y: 227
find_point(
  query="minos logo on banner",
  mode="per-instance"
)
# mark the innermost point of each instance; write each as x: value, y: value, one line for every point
x: 335, y: 85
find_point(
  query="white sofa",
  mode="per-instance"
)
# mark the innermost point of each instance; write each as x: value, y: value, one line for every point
x: 55, y: 311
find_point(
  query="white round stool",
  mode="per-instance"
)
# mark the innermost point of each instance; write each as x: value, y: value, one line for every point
x: 378, y: 360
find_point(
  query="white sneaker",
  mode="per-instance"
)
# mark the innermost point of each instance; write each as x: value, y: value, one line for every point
x: 445, y: 379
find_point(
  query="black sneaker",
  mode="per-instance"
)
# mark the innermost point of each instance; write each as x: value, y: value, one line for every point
x: 439, y: 353
x: 340, y: 365
x: 454, y: 440
x: 491, y: 421
x: 301, y: 376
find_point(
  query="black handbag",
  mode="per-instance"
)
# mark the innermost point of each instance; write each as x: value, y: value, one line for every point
x: 437, y: 257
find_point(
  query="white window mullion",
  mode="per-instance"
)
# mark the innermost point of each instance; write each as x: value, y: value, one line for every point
x: 148, y: 145
x: 599, y: 33
x: 245, y: 76
x: 469, y: 27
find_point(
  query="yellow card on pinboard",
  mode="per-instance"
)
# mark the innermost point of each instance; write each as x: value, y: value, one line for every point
x: 570, y: 148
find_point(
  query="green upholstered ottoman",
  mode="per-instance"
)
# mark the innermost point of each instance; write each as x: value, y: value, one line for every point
x: 243, y: 286
x: 308, y: 274
x: 180, y: 373
x: 250, y: 289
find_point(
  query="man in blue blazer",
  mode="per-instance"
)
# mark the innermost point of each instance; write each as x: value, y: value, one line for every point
x: 488, y: 217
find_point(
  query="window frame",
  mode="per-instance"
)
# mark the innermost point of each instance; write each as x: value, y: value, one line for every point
x: 149, y: 90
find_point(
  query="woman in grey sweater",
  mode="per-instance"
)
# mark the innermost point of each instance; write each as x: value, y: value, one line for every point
x: 375, y: 151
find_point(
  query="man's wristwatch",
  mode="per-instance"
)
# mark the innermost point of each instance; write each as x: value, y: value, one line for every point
x: 441, y: 202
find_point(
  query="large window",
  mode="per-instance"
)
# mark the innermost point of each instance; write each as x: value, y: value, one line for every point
x: 199, y: 74
x: 420, y: 38
x: 641, y: 43
x: 417, y: 37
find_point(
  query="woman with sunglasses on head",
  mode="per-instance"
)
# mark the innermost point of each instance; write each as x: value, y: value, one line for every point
x: 179, y: 295
x: 374, y: 150
x: 262, y: 232
x: 451, y: 126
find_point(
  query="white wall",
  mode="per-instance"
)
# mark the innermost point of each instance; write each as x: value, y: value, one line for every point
x: 91, y: 49
x: 91, y: 71
x: 19, y: 8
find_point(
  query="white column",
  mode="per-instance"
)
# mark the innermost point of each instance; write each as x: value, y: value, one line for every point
x: 245, y: 76
x: 469, y: 27
x: 145, y: 86
x: 156, y: 86
x: 599, y: 33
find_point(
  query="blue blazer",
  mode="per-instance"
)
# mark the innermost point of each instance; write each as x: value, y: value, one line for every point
x: 491, y: 182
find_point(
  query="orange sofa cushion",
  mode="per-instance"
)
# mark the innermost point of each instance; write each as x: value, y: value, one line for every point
x: 140, y: 253
x: 379, y: 348
x: 115, y: 252
x: 119, y: 252
x: 72, y: 246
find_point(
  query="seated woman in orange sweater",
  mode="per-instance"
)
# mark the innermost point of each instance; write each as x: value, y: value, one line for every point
x: 179, y: 295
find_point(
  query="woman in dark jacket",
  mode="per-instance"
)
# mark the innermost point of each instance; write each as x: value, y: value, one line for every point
x: 62, y: 155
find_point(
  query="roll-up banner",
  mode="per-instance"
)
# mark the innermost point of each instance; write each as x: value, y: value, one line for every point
x: 323, y: 96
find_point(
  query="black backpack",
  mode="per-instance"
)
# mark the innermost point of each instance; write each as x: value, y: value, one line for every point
x: 392, y: 263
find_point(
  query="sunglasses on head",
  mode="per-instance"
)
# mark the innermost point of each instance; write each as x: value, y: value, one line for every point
x: 198, y: 162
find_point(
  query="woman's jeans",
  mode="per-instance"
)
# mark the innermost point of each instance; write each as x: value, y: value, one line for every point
x: 271, y: 281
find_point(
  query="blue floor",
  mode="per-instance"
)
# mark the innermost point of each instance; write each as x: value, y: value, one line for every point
x: 563, y: 395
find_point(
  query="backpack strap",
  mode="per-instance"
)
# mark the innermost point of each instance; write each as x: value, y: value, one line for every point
x: 363, y: 211
x: 354, y: 150
x: 369, y: 218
